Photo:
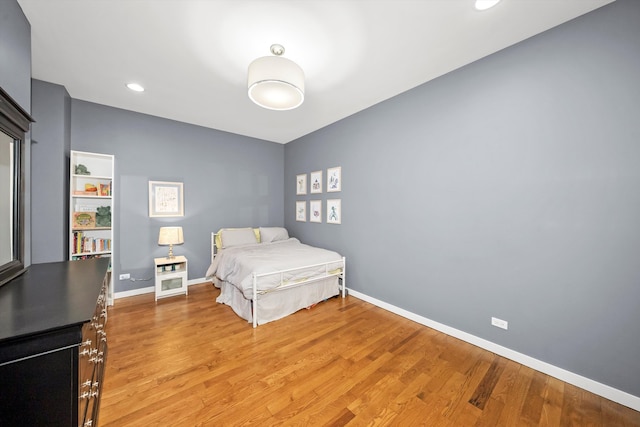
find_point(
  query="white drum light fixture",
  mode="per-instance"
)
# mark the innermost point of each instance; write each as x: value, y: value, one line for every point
x: 275, y: 82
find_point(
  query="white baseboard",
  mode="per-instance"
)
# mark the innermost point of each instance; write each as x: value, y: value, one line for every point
x: 595, y: 387
x: 151, y: 289
x: 198, y: 281
x: 134, y: 292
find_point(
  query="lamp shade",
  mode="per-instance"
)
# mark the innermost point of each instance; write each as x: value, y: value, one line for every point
x: 170, y: 236
x: 275, y: 83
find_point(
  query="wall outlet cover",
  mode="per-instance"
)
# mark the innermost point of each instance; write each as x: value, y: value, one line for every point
x: 503, y: 324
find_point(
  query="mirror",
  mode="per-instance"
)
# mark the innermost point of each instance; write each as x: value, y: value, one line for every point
x: 14, y: 123
x: 7, y: 190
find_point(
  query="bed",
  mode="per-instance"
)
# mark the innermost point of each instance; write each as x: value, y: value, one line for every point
x: 265, y: 275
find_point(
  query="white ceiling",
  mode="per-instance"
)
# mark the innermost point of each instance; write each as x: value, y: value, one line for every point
x: 192, y: 55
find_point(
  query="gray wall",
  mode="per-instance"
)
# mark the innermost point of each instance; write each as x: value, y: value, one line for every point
x: 50, y: 142
x: 15, y: 79
x: 15, y: 51
x: 507, y: 188
x: 229, y: 181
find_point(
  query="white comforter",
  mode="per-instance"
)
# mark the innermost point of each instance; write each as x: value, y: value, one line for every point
x: 237, y: 264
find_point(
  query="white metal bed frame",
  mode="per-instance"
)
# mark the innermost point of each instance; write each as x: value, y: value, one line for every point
x: 339, y: 272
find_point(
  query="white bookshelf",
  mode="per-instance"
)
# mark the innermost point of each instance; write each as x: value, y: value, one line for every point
x: 90, y: 198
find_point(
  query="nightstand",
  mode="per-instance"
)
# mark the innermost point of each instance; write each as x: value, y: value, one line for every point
x: 171, y: 276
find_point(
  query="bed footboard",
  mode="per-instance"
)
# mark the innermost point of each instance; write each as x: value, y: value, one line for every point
x: 336, y: 268
x: 339, y: 272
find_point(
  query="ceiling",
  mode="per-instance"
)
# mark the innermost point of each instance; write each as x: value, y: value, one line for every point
x: 192, y: 55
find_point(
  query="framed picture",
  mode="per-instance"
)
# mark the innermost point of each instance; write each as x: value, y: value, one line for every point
x: 315, y: 211
x: 334, y: 179
x: 301, y: 211
x: 334, y: 211
x: 316, y: 182
x: 166, y: 199
x: 301, y: 184
x: 83, y: 219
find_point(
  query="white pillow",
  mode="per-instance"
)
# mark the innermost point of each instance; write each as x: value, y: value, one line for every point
x: 273, y: 234
x: 238, y: 236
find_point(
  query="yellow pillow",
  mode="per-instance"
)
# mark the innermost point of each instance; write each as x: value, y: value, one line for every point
x: 256, y: 231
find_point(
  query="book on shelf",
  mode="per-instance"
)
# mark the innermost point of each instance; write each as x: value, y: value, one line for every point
x: 105, y: 189
x: 83, y: 244
x: 78, y: 257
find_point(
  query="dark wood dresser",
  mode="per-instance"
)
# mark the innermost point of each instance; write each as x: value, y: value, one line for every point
x: 53, y: 346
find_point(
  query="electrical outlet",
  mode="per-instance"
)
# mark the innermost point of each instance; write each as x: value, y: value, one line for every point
x: 499, y: 323
x: 125, y: 276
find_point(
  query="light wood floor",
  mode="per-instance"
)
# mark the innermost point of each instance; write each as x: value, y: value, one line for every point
x: 188, y: 361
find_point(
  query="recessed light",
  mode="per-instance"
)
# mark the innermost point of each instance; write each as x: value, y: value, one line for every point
x: 135, y: 87
x: 486, y: 4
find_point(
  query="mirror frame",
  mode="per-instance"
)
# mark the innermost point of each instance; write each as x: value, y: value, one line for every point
x: 15, y: 121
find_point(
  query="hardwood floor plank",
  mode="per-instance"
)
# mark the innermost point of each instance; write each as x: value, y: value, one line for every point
x: 325, y: 410
x: 534, y: 400
x: 592, y: 409
x: 552, y: 406
x: 371, y: 403
x: 614, y: 414
x: 571, y: 415
x: 289, y: 401
x: 503, y: 389
x: 463, y: 412
x: 485, y: 387
x: 415, y: 413
x: 517, y: 395
x: 341, y: 420
x: 188, y: 361
x: 426, y: 364
x: 491, y: 413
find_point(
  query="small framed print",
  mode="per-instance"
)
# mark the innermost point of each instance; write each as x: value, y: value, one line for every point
x: 334, y: 179
x: 316, y: 182
x: 301, y: 184
x: 166, y: 199
x: 334, y: 211
x: 315, y: 211
x: 301, y: 211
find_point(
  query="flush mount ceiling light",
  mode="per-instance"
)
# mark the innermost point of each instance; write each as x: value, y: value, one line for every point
x: 135, y: 87
x: 275, y: 82
x: 486, y: 4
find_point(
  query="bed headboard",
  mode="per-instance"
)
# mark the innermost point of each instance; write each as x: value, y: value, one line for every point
x: 214, y: 248
x: 241, y: 236
x: 235, y: 235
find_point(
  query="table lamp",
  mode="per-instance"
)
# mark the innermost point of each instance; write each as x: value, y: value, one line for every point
x: 170, y: 236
